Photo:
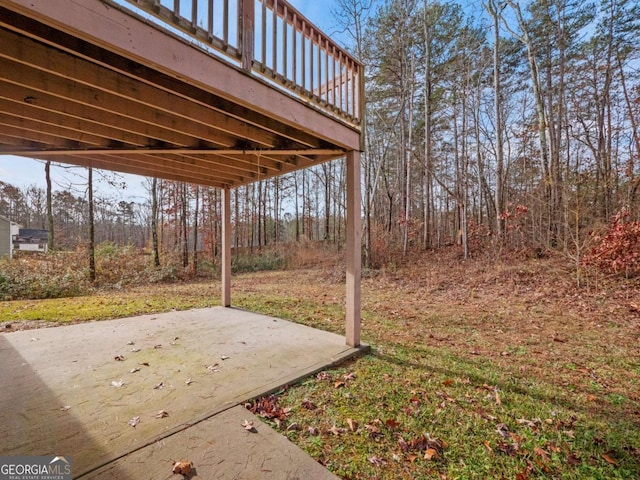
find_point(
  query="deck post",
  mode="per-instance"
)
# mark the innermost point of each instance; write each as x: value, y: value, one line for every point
x: 353, y: 250
x: 226, y: 247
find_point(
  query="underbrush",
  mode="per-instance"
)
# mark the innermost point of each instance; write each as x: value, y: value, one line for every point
x: 37, y: 276
x: 66, y: 274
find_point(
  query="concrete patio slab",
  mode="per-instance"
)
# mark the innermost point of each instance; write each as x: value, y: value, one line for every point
x: 221, y: 449
x: 79, y: 390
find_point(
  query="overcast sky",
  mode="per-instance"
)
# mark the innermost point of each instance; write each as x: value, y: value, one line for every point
x: 22, y: 172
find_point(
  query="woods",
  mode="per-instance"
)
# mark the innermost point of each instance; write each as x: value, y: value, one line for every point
x: 507, y: 126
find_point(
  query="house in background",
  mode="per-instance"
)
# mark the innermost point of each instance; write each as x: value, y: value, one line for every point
x: 8, y: 230
x: 31, y: 240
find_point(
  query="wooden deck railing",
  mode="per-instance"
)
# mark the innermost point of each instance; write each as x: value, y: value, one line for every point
x: 272, y: 40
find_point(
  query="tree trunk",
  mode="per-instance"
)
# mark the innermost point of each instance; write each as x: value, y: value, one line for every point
x: 195, y: 229
x: 92, y: 244
x: 154, y: 222
x: 499, y: 199
x: 51, y: 235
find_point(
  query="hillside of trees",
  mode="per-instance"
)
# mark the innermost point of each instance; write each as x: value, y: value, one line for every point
x: 504, y: 126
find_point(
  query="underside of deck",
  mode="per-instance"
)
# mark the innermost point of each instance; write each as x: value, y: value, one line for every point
x: 76, y: 390
x: 92, y: 83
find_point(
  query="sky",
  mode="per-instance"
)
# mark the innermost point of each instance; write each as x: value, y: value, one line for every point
x: 23, y: 172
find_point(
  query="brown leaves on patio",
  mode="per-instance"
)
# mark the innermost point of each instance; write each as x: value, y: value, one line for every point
x: 182, y: 467
x: 248, y: 426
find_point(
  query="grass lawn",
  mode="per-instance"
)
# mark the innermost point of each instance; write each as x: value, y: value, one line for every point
x: 476, y: 370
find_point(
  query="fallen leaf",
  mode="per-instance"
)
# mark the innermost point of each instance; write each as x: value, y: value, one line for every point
x: 313, y: 431
x: 159, y: 386
x: 503, y: 430
x: 404, y: 446
x: 293, y: 427
x: 573, y: 460
x: 157, y: 346
x: 524, y: 421
x: 339, y: 384
x: 353, y: 425
x: 430, y: 453
x: 448, y: 383
x: 392, y: 424
x: 488, y: 446
x: 377, y: 461
x: 119, y: 358
x: 541, y: 453
x: 337, y: 431
x: 65, y: 408
x: 162, y: 414
x: 268, y: 407
x: 134, y: 350
x: 134, y: 421
x: 214, y: 368
x: 323, y: 376
x: 498, y: 400
x: 374, y: 432
x: 308, y: 404
x: 609, y: 459
x: 591, y: 398
x: 134, y: 370
x: 145, y: 364
x: 507, y: 448
x: 131, y: 343
x: 188, y: 381
x: 412, y: 458
x: 349, y: 376
x: 117, y: 383
x: 182, y: 467
x: 224, y: 357
x: 248, y: 426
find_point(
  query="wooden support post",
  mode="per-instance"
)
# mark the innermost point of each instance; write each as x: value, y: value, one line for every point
x: 226, y: 247
x: 354, y: 258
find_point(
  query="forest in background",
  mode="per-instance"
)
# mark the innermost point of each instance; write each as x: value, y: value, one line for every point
x: 512, y: 128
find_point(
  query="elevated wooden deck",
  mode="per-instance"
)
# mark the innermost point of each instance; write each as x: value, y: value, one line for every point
x: 216, y: 92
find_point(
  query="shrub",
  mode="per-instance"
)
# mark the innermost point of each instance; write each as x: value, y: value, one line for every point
x: 617, y: 250
x: 243, y: 262
x: 34, y: 276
